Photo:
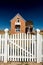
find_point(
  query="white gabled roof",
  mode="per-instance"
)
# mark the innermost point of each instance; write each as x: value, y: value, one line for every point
x: 19, y: 16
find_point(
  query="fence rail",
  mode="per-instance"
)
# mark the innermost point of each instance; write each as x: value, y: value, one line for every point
x: 21, y: 47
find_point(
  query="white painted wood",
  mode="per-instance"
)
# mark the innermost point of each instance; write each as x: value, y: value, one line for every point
x: 15, y: 47
x: 38, y: 46
x: 20, y: 46
x: 0, y: 43
x: 20, y: 41
x: 32, y: 47
x: 2, y: 50
x: 27, y: 47
x: 5, y: 48
x: 8, y: 51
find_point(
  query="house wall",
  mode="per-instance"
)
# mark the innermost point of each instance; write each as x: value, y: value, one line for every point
x: 22, y: 26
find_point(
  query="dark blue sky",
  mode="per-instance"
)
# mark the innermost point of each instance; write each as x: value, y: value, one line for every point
x: 29, y: 9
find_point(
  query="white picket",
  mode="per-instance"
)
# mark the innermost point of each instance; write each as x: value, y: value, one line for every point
x: 21, y: 47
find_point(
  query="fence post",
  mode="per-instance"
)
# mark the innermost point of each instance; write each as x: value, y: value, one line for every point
x: 38, y: 46
x: 5, y: 46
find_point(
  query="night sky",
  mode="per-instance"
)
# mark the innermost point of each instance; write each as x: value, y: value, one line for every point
x: 28, y: 9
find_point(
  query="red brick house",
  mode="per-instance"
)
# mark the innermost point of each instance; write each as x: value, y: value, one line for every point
x: 19, y: 25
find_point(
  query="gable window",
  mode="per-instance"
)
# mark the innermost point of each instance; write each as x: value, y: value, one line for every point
x: 18, y: 20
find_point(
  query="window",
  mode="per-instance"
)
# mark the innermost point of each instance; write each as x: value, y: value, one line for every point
x: 17, y: 28
x: 17, y: 25
x: 18, y: 20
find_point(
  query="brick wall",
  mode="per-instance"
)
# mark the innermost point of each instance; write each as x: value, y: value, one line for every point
x: 22, y: 26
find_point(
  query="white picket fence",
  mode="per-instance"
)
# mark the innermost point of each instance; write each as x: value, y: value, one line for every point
x: 21, y: 47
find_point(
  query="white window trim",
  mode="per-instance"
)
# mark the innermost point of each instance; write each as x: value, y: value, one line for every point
x: 17, y: 31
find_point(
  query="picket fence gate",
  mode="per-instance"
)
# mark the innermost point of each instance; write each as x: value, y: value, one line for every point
x: 21, y: 47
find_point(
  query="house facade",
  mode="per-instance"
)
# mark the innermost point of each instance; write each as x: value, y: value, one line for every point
x: 20, y: 25
x: 17, y: 25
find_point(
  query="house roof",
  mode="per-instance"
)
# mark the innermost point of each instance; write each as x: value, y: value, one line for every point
x: 18, y: 16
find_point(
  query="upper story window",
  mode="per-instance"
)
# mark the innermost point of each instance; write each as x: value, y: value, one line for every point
x: 18, y: 22
x: 18, y: 19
